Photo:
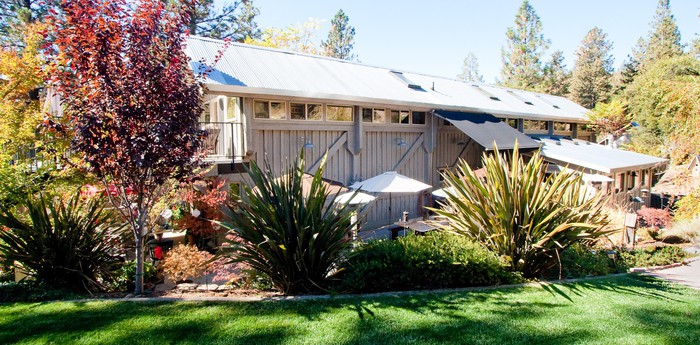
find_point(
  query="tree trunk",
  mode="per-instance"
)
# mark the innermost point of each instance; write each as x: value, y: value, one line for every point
x: 139, y: 266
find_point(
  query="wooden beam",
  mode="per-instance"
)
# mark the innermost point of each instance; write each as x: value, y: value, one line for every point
x: 330, y: 152
x: 414, y: 147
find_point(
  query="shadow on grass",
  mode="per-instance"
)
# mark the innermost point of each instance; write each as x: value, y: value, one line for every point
x: 518, y: 315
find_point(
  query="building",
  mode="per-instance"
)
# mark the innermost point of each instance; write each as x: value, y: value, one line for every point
x: 266, y: 103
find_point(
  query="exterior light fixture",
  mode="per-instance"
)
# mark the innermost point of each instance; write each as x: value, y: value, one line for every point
x: 400, y: 142
x: 308, y: 144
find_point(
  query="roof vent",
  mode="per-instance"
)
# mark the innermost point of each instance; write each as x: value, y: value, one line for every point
x: 408, y: 82
x: 556, y: 106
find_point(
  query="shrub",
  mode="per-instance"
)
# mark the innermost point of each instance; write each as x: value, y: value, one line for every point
x: 688, y: 207
x: 285, y: 232
x: 186, y: 261
x: 682, y: 231
x: 124, y: 279
x: 654, y: 217
x: 62, y: 243
x: 582, y: 261
x: 519, y: 213
x: 32, y: 291
x: 653, y: 256
x: 436, y: 260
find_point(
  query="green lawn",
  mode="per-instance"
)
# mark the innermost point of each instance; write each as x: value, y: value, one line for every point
x: 619, y: 310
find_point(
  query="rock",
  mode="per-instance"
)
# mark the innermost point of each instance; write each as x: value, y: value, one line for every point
x: 165, y: 286
x: 226, y: 287
x: 186, y: 286
x: 207, y: 287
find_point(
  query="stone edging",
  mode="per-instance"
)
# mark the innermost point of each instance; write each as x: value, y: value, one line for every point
x: 658, y: 268
x: 130, y: 298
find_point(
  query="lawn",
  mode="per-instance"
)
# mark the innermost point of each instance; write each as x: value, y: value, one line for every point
x: 618, y: 310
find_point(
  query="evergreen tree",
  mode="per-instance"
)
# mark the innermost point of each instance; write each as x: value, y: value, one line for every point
x: 592, y: 78
x: 470, y: 69
x: 247, y: 27
x: 555, y: 79
x: 340, y: 38
x: 231, y: 21
x: 15, y: 15
x: 665, y: 38
x: 525, y: 45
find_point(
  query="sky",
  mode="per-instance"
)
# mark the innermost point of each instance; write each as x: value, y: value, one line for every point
x: 434, y: 37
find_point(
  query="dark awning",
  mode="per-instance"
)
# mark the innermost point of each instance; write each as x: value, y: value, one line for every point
x: 487, y: 129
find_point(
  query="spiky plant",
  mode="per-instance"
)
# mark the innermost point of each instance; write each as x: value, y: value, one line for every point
x: 520, y: 213
x: 287, y: 234
x: 62, y: 243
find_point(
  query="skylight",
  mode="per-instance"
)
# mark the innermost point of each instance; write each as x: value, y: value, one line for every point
x: 486, y: 93
x: 400, y: 76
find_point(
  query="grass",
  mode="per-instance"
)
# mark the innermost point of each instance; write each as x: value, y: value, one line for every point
x: 626, y: 309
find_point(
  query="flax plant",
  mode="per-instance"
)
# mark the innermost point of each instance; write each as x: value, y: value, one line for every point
x: 521, y: 214
x: 288, y: 235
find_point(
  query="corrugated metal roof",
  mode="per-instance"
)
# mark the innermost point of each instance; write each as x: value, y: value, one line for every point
x: 257, y: 70
x: 596, y: 157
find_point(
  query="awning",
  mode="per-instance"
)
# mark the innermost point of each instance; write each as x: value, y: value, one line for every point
x: 597, y: 159
x: 487, y: 129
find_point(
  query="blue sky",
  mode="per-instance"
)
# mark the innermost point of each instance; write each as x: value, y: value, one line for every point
x: 433, y: 37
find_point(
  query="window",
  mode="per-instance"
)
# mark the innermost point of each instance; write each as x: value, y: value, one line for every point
x: 511, y: 122
x: 233, y: 108
x: 373, y: 115
x: 339, y: 113
x: 301, y: 111
x: 534, y: 125
x: 418, y: 117
x: 269, y: 110
x: 400, y: 116
x: 206, y: 113
x: 562, y: 127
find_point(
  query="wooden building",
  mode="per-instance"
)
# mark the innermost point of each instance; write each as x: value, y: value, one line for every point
x: 266, y: 103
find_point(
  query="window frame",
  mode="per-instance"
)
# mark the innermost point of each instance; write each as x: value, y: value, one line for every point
x: 352, y: 113
x: 269, y: 110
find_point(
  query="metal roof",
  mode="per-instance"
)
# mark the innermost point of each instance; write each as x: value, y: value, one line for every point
x: 596, y: 157
x: 263, y: 71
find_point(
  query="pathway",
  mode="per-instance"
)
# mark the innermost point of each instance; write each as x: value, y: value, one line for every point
x: 688, y: 275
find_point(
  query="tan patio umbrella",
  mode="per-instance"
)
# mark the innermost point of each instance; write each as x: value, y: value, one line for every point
x: 390, y: 182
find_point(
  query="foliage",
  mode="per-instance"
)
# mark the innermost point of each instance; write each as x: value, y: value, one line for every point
x: 521, y: 214
x: 207, y: 197
x: 287, y: 235
x: 644, y: 141
x: 652, y: 256
x: 341, y: 38
x: 664, y: 100
x: 124, y: 278
x: 132, y: 99
x: 186, y: 261
x: 591, y: 81
x: 20, y: 68
x: 688, y: 207
x: 579, y: 261
x: 682, y: 231
x: 610, y: 117
x: 654, y: 217
x: 525, y: 45
x: 470, y: 69
x: 15, y: 15
x: 297, y: 37
x: 229, y: 21
x: 62, y: 243
x: 556, y: 79
x: 434, y: 261
x: 32, y: 291
x: 664, y: 39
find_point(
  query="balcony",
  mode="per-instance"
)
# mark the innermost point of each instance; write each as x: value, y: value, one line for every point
x: 225, y: 141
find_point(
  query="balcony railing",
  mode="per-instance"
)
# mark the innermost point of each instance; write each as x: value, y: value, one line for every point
x: 224, y: 140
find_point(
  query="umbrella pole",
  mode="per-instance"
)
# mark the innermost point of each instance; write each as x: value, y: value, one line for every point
x: 391, y: 215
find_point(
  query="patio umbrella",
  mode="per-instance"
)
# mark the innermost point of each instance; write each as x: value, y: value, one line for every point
x: 354, y: 198
x: 390, y: 182
x: 442, y: 192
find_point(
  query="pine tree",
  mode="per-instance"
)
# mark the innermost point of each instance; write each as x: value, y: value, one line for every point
x: 246, y: 25
x: 592, y: 77
x: 340, y: 38
x: 665, y: 38
x: 470, y: 69
x: 555, y: 78
x: 522, y: 66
